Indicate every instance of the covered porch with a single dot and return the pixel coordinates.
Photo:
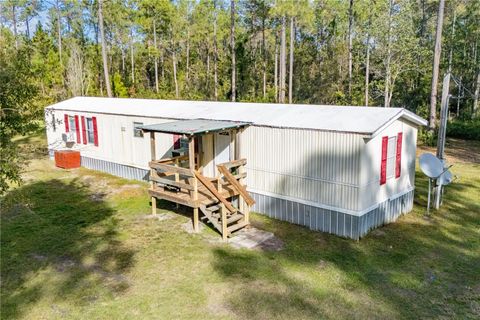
(206, 175)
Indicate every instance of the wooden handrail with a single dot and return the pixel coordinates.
(171, 160)
(210, 187)
(172, 183)
(168, 168)
(234, 163)
(240, 188)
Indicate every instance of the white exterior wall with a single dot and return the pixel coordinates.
(114, 144)
(375, 193)
(309, 166)
(331, 170)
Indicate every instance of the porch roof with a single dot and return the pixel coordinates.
(194, 127)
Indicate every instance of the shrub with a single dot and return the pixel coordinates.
(468, 130)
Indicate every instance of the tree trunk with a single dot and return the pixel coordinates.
(367, 70)
(283, 62)
(14, 22)
(232, 47)
(215, 53)
(155, 57)
(436, 66)
(290, 73)
(452, 39)
(389, 53)
(59, 31)
(174, 63)
(207, 78)
(104, 49)
(188, 56)
(350, 48)
(275, 75)
(27, 24)
(476, 96)
(264, 54)
(459, 96)
(132, 58)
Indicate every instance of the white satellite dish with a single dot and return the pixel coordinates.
(434, 169)
(445, 178)
(430, 165)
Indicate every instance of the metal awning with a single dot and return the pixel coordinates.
(193, 127)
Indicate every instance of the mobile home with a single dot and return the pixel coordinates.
(338, 169)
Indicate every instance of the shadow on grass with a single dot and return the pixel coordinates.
(417, 267)
(54, 231)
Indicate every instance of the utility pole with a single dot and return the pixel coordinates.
(442, 130)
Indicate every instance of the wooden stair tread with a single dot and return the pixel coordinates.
(237, 226)
(234, 218)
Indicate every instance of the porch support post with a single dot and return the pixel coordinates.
(232, 148)
(152, 170)
(191, 163)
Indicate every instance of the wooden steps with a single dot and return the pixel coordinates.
(235, 221)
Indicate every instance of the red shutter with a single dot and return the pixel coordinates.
(84, 131)
(65, 117)
(77, 127)
(383, 166)
(95, 132)
(398, 162)
(176, 141)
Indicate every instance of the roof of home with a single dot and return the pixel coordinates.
(194, 127)
(362, 120)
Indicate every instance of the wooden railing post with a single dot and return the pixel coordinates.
(245, 208)
(152, 183)
(223, 212)
(177, 178)
(191, 163)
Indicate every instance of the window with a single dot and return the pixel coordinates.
(54, 125)
(90, 131)
(180, 142)
(71, 122)
(137, 132)
(391, 154)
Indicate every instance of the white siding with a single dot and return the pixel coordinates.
(114, 144)
(313, 166)
(338, 171)
(375, 193)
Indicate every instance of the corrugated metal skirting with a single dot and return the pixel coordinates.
(116, 169)
(338, 223)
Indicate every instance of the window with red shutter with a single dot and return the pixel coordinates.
(77, 127)
(398, 159)
(65, 119)
(383, 165)
(84, 131)
(95, 131)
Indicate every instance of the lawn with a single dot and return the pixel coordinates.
(79, 244)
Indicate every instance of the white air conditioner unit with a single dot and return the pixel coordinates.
(68, 137)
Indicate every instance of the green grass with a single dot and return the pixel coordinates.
(73, 248)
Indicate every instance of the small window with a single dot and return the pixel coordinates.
(137, 132)
(90, 134)
(391, 153)
(72, 126)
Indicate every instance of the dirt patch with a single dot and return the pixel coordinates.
(253, 238)
(188, 227)
(378, 233)
(158, 216)
(457, 151)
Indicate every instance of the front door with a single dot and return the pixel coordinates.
(222, 147)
